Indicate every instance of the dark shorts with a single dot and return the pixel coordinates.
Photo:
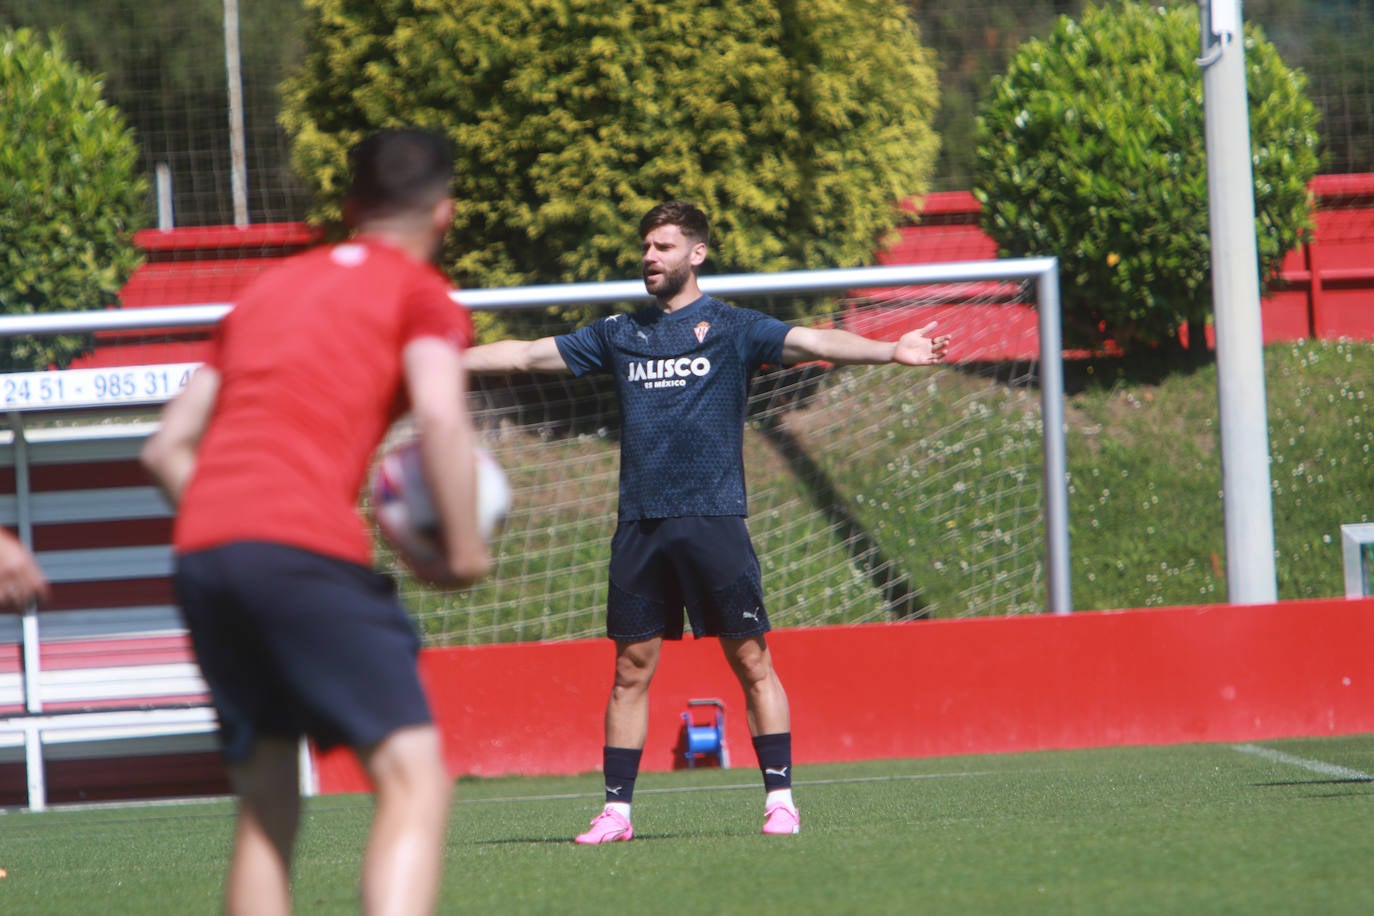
(705, 565)
(294, 643)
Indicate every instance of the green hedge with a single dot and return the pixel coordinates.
(1092, 148)
(70, 195)
(799, 127)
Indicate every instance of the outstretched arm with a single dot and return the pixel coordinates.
(540, 355)
(914, 348)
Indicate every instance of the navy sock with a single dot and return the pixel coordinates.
(621, 766)
(775, 759)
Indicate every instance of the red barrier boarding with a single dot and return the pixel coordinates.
(107, 702)
(934, 688)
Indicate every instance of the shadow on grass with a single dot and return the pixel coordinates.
(1316, 782)
(568, 841)
(1145, 366)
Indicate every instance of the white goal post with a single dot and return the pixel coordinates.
(126, 388)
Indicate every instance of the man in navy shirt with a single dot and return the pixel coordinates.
(682, 368)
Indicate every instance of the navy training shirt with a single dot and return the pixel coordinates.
(683, 382)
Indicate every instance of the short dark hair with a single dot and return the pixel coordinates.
(398, 170)
(685, 215)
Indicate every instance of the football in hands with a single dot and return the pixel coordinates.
(399, 497)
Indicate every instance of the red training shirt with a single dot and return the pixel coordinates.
(310, 380)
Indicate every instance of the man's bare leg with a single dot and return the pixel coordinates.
(765, 701)
(268, 787)
(627, 711)
(404, 859)
(770, 720)
(627, 725)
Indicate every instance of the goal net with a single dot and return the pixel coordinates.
(876, 493)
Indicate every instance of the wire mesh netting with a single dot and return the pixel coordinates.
(877, 493)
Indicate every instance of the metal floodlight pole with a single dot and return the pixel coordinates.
(1242, 405)
(238, 155)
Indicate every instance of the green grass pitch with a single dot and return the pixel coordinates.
(1271, 827)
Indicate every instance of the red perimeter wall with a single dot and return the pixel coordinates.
(1092, 679)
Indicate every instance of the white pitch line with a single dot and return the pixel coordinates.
(1315, 766)
(726, 788)
(364, 801)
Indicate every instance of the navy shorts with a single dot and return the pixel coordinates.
(702, 564)
(295, 643)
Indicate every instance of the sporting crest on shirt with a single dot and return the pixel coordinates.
(701, 329)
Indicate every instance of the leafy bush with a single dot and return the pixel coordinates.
(70, 194)
(1092, 148)
(798, 126)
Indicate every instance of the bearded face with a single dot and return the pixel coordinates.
(664, 281)
(667, 262)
